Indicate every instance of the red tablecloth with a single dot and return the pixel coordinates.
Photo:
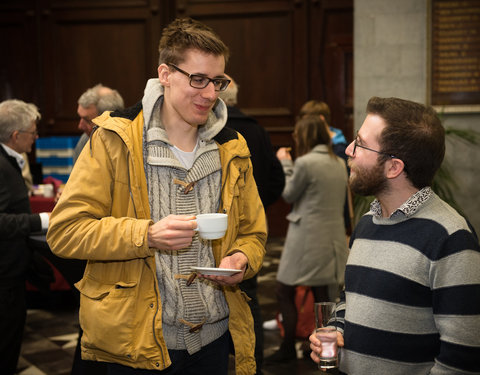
(41, 204)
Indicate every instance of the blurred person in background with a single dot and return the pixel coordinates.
(270, 180)
(315, 250)
(339, 145)
(319, 108)
(18, 132)
(92, 103)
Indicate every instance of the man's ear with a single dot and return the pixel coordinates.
(395, 167)
(164, 75)
(14, 136)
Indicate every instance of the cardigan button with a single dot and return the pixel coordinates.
(152, 305)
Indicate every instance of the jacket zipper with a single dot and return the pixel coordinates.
(129, 184)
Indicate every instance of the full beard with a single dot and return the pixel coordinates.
(368, 181)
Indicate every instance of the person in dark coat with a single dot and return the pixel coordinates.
(270, 180)
(18, 131)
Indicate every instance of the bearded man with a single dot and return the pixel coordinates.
(412, 284)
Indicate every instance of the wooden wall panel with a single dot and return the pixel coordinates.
(88, 46)
(59, 48)
(19, 65)
(264, 56)
(97, 56)
(331, 60)
(267, 41)
(284, 53)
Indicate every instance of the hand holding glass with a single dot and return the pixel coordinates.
(326, 332)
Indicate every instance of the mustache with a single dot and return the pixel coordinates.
(350, 163)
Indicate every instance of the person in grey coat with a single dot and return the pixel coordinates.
(316, 250)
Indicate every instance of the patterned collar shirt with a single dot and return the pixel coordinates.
(408, 208)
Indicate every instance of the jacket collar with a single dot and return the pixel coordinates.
(322, 149)
(14, 156)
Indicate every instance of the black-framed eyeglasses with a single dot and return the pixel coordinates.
(34, 132)
(355, 145)
(199, 81)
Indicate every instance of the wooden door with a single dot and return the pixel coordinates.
(19, 65)
(89, 42)
(331, 59)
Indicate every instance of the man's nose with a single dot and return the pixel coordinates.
(81, 125)
(209, 91)
(349, 149)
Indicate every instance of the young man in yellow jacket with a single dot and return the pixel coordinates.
(129, 208)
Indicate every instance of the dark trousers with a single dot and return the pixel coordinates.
(13, 313)
(250, 286)
(83, 367)
(212, 359)
(286, 300)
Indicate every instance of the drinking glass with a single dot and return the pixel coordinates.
(326, 332)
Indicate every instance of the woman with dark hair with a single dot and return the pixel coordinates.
(315, 251)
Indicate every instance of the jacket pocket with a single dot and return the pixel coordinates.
(107, 313)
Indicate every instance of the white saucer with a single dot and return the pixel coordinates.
(212, 271)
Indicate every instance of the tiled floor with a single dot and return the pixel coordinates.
(51, 333)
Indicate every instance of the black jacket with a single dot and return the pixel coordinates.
(16, 222)
(267, 170)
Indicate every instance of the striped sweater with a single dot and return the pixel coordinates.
(412, 293)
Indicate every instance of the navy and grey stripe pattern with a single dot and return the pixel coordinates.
(412, 293)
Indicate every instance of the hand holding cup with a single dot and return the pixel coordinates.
(212, 226)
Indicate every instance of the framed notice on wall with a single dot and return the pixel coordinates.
(455, 54)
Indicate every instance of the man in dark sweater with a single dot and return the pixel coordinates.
(18, 131)
(412, 281)
(270, 180)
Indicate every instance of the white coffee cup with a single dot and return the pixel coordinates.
(211, 226)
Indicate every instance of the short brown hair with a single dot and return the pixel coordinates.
(186, 33)
(315, 107)
(309, 132)
(414, 134)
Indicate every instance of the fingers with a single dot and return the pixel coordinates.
(284, 153)
(316, 347)
(225, 280)
(173, 232)
(236, 261)
(180, 222)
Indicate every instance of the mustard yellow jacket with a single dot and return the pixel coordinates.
(103, 216)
